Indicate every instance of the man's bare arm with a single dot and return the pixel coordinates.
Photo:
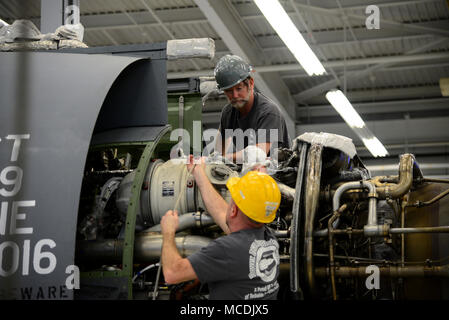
(215, 204)
(175, 268)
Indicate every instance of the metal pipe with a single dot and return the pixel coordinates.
(380, 181)
(348, 231)
(435, 180)
(147, 248)
(331, 249)
(404, 207)
(352, 258)
(406, 165)
(419, 204)
(287, 192)
(350, 185)
(441, 229)
(187, 221)
(281, 234)
(387, 271)
(371, 229)
(407, 170)
(156, 282)
(312, 190)
(297, 215)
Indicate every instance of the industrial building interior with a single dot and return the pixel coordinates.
(391, 74)
(113, 102)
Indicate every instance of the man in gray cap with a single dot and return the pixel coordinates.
(250, 111)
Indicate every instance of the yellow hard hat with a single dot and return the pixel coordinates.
(256, 194)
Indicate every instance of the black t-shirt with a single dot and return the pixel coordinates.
(264, 123)
(243, 265)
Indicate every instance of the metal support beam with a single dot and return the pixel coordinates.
(362, 62)
(390, 131)
(388, 167)
(312, 38)
(385, 23)
(232, 30)
(377, 95)
(71, 12)
(380, 107)
(382, 3)
(407, 67)
(55, 13)
(163, 26)
(314, 91)
(189, 16)
(328, 64)
(52, 15)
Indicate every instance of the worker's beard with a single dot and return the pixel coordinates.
(239, 103)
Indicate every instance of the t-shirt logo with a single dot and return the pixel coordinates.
(263, 259)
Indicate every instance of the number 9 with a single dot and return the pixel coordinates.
(16, 181)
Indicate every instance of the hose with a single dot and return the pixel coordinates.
(144, 270)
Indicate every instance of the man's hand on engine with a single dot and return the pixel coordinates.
(169, 222)
(199, 163)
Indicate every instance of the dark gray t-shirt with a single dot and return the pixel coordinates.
(263, 115)
(243, 265)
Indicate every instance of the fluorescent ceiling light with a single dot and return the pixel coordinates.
(374, 146)
(339, 101)
(287, 31)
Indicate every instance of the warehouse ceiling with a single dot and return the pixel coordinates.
(391, 74)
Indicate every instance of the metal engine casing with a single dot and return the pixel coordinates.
(164, 183)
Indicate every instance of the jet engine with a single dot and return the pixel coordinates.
(343, 234)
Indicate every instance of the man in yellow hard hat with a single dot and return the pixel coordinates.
(244, 264)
